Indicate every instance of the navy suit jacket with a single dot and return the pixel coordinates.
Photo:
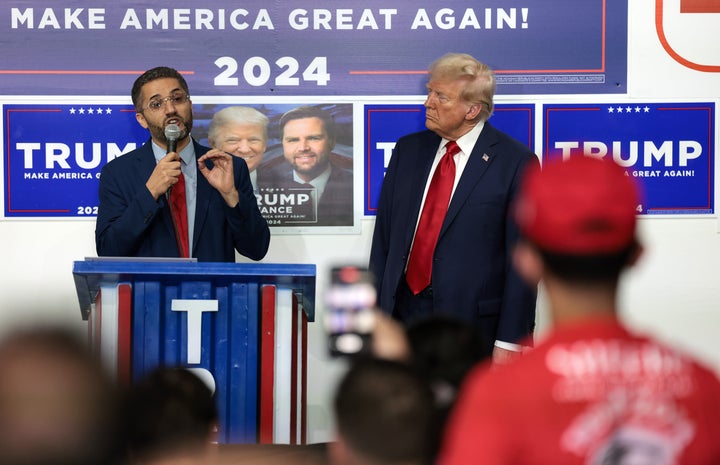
(472, 277)
(131, 223)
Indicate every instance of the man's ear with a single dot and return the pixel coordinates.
(141, 119)
(528, 262)
(474, 111)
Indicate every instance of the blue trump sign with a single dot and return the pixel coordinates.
(54, 154)
(385, 124)
(667, 147)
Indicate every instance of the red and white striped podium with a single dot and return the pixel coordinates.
(241, 327)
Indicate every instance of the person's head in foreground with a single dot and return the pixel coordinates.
(58, 406)
(384, 414)
(592, 391)
(578, 218)
(171, 416)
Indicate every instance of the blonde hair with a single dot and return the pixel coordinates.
(480, 88)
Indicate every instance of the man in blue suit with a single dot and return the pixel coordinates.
(134, 218)
(468, 271)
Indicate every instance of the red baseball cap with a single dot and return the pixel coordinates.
(581, 206)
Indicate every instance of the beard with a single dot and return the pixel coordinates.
(311, 171)
(158, 132)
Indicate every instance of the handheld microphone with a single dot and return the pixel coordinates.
(172, 134)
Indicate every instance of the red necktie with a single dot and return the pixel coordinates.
(419, 270)
(178, 211)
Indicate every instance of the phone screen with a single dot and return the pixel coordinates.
(350, 304)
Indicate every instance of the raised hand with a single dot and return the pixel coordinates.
(220, 176)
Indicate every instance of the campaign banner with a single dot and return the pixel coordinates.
(323, 47)
(54, 155)
(667, 147)
(385, 124)
(287, 203)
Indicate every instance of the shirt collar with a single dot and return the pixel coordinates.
(186, 154)
(319, 182)
(466, 142)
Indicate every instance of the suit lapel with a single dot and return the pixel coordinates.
(146, 165)
(202, 198)
(146, 160)
(424, 159)
(478, 163)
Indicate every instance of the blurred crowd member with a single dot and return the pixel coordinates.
(592, 392)
(389, 339)
(384, 415)
(57, 405)
(443, 351)
(241, 131)
(171, 417)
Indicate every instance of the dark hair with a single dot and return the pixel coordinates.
(443, 351)
(310, 112)
(69, 394)
(603, 269)
(444, 348)
(168, 410)
(385, 411)
(159, 72)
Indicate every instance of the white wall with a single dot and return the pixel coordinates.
(674, 292)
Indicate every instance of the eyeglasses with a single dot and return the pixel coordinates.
(176, 98)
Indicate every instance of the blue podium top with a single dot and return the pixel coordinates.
(90, 273)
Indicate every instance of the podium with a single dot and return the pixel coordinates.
(241, 327)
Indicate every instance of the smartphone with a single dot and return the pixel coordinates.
(350, 310)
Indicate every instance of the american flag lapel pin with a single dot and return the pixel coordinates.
(485, 157)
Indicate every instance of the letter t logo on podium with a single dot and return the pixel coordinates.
(194, 309)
